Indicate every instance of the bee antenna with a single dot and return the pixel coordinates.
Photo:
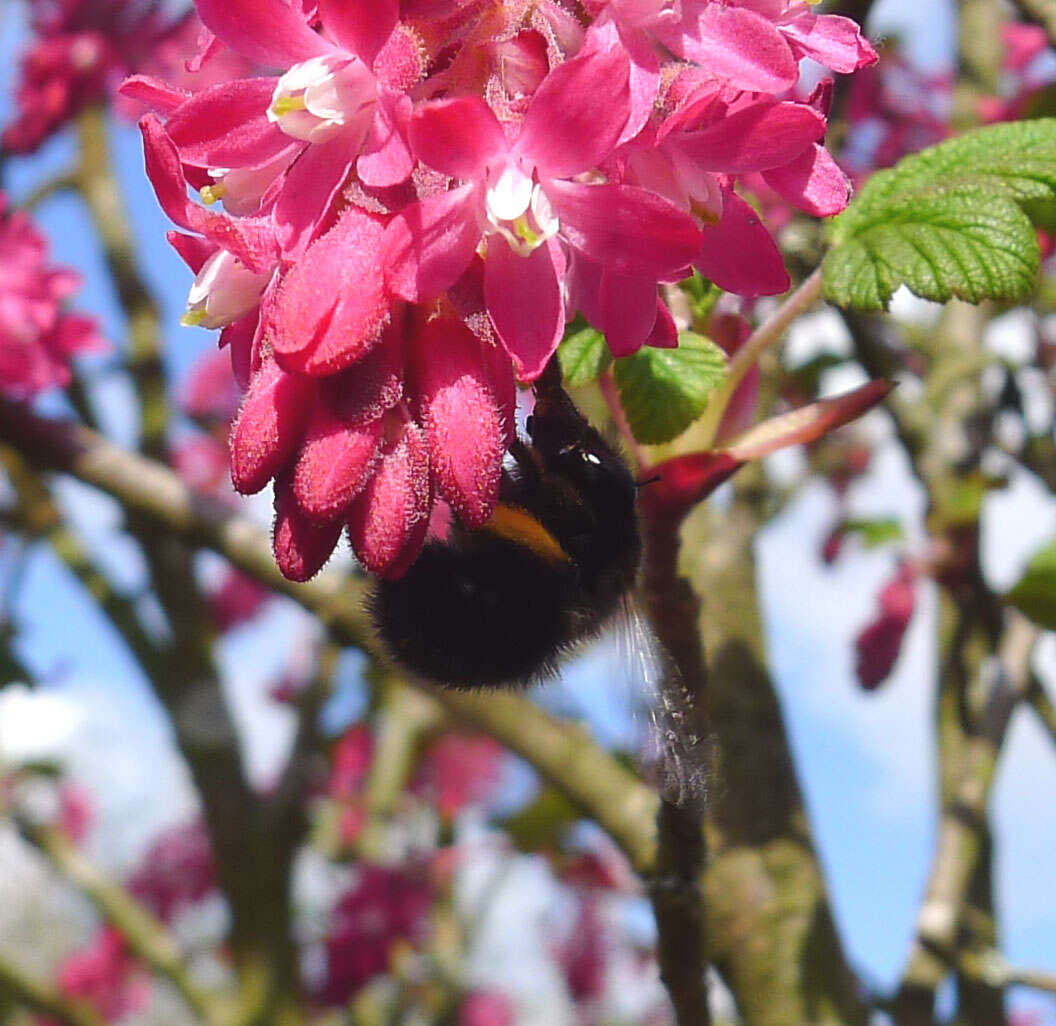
(647, 481)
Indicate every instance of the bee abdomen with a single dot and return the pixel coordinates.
(489, 614)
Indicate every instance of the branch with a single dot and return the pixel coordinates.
(563, 753)
(44, 1000)
(991, 967)
(37, 514)
(146, 936)
(962, 819)
(676, 891)
(96, 183)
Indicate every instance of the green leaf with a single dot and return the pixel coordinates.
(875, 532)
(952, 221)
(583, 354)
(1035, 593)
(663, 391)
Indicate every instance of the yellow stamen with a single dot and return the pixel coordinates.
(192, 318)
(287, 104)
(523, 230)
(517, 525)
(211, 193)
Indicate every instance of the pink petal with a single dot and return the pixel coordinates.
(665, 332)
(360, 26)
(372, 385)
(808, 423)
(269, 426)
(250, 239)
(429, 244)
(742, 47)
(271, 33)
(524, 300)
(386, 158)
(463, 409)
(833, 41)
(308, 191)
(301, 545)
(334, 463)
(226, 125)
(754, 138)
(739, 255)
(193, 249)
(152, 93)
(567, 128)
(813, 182)
(625, 228)
(458, 137)
(628, 311)
(388, 522)
(332, 306)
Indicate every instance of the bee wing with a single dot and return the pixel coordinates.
(680, 751)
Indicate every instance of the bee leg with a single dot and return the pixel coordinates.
(527, 460)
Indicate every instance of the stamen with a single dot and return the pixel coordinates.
(192, 318)
(287, 105)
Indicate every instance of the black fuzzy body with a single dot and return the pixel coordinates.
(482, 610)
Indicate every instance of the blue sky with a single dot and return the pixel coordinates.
(865, 761)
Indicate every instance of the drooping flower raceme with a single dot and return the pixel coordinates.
(37, 335)
(421, 197)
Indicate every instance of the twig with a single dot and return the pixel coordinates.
(959, 845)
(1043, 706)
(992, 967)
(588, 775)
(146, 936)
(43, 999)
(765, 335)
(95, 181)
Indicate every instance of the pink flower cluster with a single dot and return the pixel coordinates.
(419, 201)
(81, 51)
(37, 335)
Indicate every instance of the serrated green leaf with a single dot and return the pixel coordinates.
(951, 221)
(583, 354)
(951, 242)
(1035, 593)
(663, 391)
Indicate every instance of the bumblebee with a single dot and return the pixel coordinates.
(502, 604)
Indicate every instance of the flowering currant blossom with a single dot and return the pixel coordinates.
(81, 51)
(37, 336)
(421, 197)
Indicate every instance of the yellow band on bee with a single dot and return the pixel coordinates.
(521, 527)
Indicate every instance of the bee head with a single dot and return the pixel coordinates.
(570, 448)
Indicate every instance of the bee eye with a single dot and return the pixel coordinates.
(592, 457)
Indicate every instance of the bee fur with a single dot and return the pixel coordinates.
(501, 605)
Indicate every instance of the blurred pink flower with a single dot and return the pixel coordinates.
(458, 770)
(486, 1008)
(105, 975)
(176, 871)
(76, 810)
(236, 600)
(384, 906)
(582, 954)
(880, 642)
(37, 337)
